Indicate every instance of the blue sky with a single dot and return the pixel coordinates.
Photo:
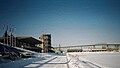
(70, 22)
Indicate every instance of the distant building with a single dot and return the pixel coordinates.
(29, 43)
(26, 42)
(91, 48)
(46, 42)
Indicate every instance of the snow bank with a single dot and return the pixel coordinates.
(94, 59)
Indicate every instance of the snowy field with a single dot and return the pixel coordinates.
(40, 60)
(70, 60)
(95, 59)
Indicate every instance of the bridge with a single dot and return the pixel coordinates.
(89, 48)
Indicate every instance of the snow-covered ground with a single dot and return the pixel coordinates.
(94, 59)
(41, 60)
(70, 60)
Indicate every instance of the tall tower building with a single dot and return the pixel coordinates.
(46, 42)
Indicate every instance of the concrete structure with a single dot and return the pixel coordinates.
(46, 42)
(91, 48)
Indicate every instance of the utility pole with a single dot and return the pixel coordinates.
(7, 35)
(15, 37)
(11, 36)
(59, 47)
(4, 28)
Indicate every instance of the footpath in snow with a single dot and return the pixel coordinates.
(41, 60)
(77, 62)
(94, 59)
(70, 60)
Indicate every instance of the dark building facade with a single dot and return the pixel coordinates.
(25, 42)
